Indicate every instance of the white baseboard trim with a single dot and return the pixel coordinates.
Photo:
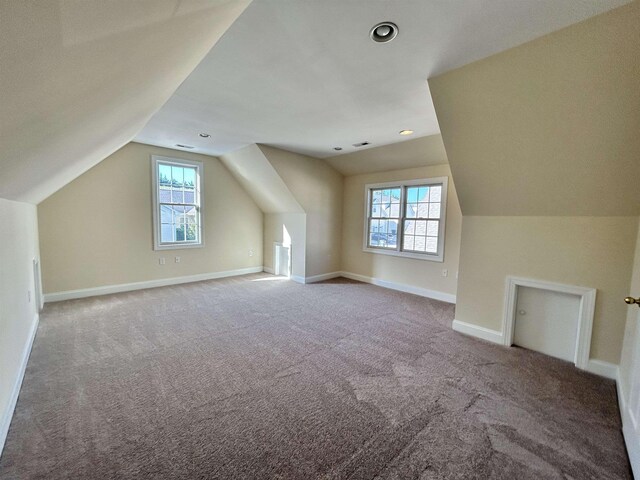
(7, 415)
(162, 282)
(483, 333)
(604, 369)
(423, 292)
(322, 277)
(268, 270)
(297, 279)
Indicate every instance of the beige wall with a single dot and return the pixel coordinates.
(18, 249)
(277, 226)
(97, 230)
(543, 145)
(595, 252)
(318, 189)
(417, 273)
(549, 127)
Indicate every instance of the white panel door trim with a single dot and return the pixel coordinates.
(585, 315)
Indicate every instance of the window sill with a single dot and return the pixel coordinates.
(416, 256)
(178, 246)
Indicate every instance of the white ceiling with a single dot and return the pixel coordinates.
(305, 76)
(417, 152)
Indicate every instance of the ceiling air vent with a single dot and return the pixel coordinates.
(361, 144)
(179, 145)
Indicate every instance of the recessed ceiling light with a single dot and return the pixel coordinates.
(205, 135)
(383, 32)
(406, 132)
(337, 148)
(180, 145)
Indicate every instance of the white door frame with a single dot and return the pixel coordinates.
(585, 314)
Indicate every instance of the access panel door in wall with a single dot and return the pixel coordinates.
(547, 321)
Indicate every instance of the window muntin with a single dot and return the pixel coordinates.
(407, 218)
(177, 203)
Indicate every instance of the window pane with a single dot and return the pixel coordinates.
(420, 244)
(374, 226)
(434, 210)
(166, 233)
(408, 242)
(177, 176)
(412, 210)
(164, 194)
(394, 210)
(423, 194)
(432, 244)
(189, 177)
(435, 193)
(189, 195)
(177, 196)
(423, 210)
(179, 233)
(421, 227)
(432, 228)
(410, 227)
(412, 194)
(164, 174)
(395, 195)
(392, 240)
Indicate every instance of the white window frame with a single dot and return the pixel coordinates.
(402, 185)
(155, 160)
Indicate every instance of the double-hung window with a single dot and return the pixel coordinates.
(406, 218)
(177, 203)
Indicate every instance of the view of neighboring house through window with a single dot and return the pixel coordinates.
(407, 218)
(177, 203)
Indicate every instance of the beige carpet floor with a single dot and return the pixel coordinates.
(256, 377)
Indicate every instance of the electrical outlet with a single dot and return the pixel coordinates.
(250, 252)
(161, 261)
(445, 272)
(177, 259)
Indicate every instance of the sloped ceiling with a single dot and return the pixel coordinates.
(550, 127)
(80, 78)
(418, 152)
(259, 178)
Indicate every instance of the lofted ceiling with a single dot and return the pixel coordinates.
(417, 152)
(80, 78)
(305, 76)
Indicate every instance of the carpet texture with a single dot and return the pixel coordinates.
(256, 377)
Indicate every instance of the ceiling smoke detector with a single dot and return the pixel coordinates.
(384, 32)
(361, 144)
